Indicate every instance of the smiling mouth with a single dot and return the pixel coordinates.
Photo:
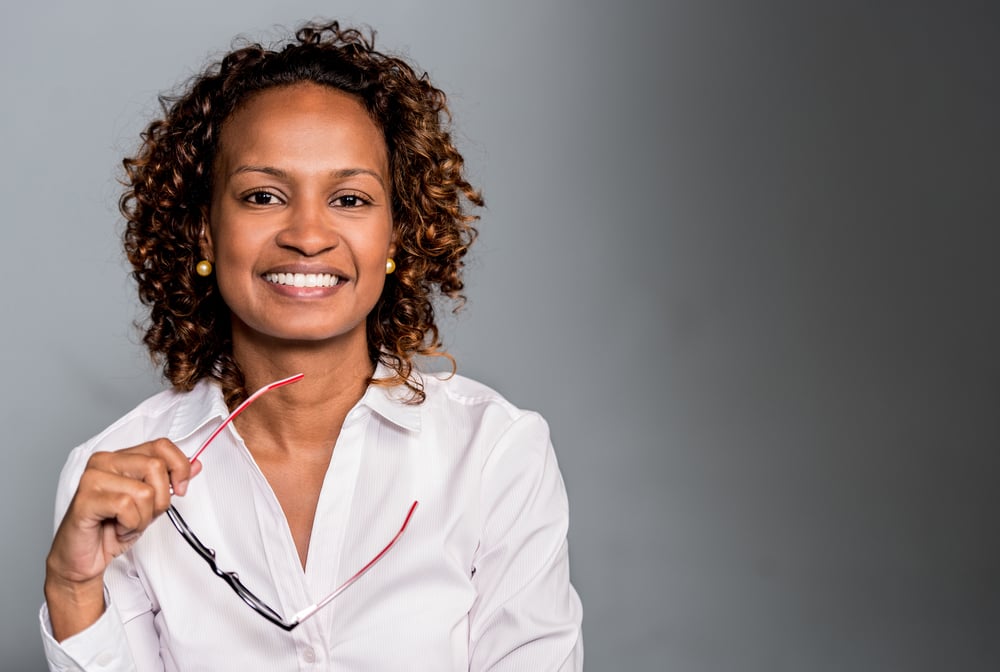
(304, 279)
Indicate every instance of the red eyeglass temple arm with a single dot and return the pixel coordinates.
(242, 407)
(309, 611)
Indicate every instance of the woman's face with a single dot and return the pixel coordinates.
(300, 223)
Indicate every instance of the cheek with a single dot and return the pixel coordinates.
(372, 247)
(235, 262)
(237, 244)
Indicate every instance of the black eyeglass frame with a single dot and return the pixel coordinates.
(232, 578)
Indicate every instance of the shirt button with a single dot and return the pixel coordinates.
(309, 655)
(104, 659)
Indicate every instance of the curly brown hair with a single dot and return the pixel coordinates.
(168, 191)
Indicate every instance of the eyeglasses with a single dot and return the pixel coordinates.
(231, 578)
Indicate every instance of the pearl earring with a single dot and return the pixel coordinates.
(390, 266)
(204, 268)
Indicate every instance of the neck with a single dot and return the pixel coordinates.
(307, 415)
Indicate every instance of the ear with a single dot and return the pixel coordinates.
(205, 243)
(392, 242)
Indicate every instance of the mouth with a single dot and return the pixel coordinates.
(304, 279)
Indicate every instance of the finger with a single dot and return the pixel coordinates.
(181, 488)
(103, 496)
(178, 466)
(116, 542)
(151, 470)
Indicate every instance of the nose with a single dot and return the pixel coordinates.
(310, 228)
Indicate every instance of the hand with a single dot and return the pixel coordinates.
(120, 494)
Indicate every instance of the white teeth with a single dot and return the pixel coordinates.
(303, 279)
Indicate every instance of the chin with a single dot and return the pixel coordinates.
(290, 333)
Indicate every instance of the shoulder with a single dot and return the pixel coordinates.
(458, 390)
(157, 416)
(466, 405)
(459, 394)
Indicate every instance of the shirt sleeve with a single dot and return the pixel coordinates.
(527, 616)
(103, 646)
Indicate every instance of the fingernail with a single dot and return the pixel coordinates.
(181, 488)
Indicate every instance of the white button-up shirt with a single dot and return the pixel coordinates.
(479, 580)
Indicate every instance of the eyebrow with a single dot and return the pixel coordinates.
(281, 174)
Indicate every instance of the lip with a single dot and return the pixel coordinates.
(304, 292)
(307, 268)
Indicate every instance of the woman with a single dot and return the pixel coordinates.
(291, 220)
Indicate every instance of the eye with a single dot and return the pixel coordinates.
(262, 198)
(351, 201)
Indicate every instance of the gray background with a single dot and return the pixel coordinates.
(743, 256)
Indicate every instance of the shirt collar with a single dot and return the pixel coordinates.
(204, 404)
(390, 401)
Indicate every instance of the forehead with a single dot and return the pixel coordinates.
(302, 124)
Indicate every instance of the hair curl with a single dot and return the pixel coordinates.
(168, 191)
